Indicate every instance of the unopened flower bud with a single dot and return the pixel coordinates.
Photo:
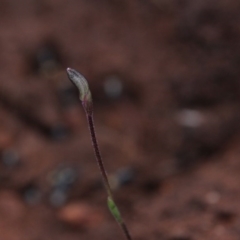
(84, 91)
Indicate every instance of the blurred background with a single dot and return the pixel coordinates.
(164, 75)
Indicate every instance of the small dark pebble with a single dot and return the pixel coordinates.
(31, 194)
(58, 198)
(122, 177)
(59, 132)
(113, 87)
(224, 216)
(63, 178)
(125, 176)
(46, 59)
(151, 186)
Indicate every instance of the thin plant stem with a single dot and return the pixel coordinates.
(103, 171)
(98, 155)
(86, 99)
(125, 230)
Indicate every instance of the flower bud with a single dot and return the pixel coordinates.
(82, 85)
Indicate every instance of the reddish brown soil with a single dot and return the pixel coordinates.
(167, 128)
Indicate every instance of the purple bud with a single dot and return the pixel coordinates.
(82, 85)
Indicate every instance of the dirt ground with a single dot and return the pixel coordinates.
(164, 75)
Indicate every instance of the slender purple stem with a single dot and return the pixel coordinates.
(102, 168)
(125, 230)
(97, 154)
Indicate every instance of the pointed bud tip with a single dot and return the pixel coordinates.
(75, 76)
(70, 72)
(82, 85)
